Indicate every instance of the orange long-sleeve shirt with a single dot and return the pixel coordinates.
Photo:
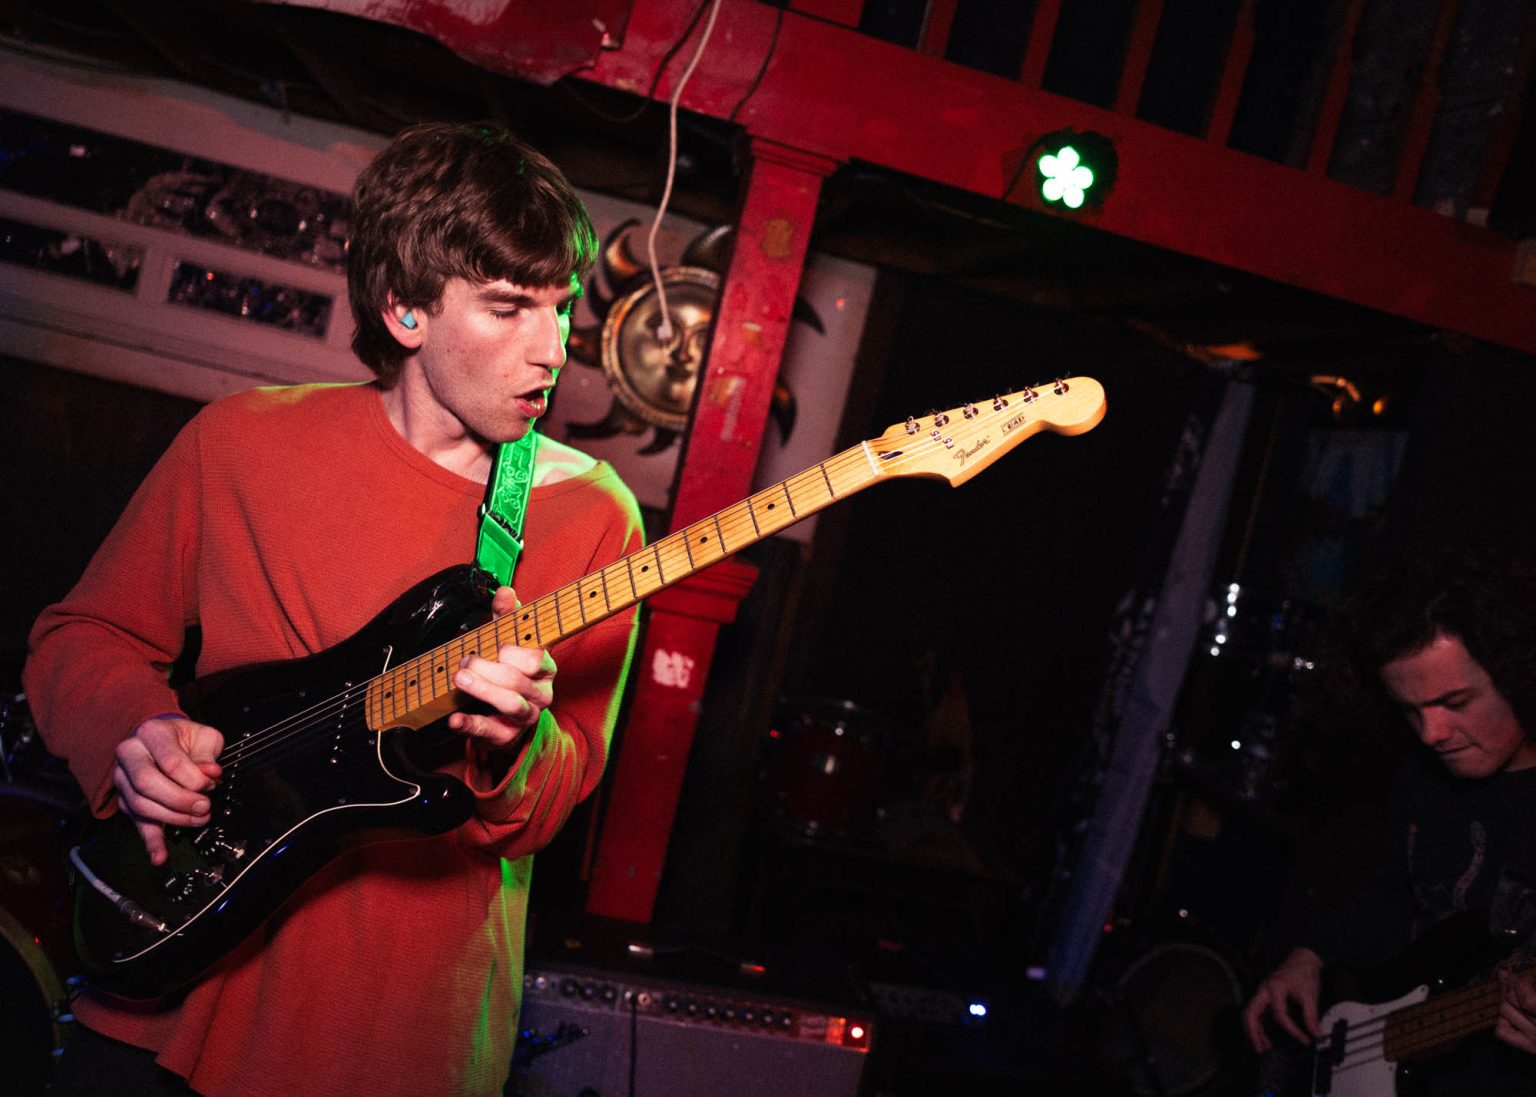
(280, 521)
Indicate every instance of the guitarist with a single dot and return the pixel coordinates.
(279, 522)
(1450, 643)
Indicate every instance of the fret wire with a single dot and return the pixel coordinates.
(581, 605)
(687, 548)
(830, 490)
(719, 536)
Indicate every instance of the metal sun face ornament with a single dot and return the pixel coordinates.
(653, 380)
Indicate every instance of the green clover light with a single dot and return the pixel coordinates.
(1066, 177)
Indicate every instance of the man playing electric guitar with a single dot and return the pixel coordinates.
(280, 522)
(1450, 643)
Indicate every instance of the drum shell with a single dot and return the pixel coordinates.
(824, 768)
(35, 951)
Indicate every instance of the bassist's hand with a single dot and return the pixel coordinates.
(519, 684)
(1517, 1011)
(164, 771)
(1298, 981)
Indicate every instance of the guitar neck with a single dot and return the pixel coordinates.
(420, 691)
(949, 445)
(1430, 1027)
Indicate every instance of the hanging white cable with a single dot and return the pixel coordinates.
(664, 331)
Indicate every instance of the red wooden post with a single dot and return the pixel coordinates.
(746, 345)
(1218, 126)
(1138, 55)
(1422, 120)
(1327, 128)
(936, 27)
(1042, 32)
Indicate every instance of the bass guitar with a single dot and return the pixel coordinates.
(1391, 1048)
(324, 753)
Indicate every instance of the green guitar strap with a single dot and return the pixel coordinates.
(505, 507)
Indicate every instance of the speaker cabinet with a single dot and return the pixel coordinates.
(587, 1033)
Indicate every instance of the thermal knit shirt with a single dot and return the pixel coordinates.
(280, 521)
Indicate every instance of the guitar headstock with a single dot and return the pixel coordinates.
(955, 445)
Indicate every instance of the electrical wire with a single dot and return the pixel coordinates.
(773, 47)
(664, 331)
(661, 67)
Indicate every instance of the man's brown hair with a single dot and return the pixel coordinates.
(447, 200)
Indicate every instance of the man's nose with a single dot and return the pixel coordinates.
(1435, 727)
(549, 341)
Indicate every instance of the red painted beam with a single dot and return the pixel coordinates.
(968, 129)
(746, 345)
(845, 12)
(773, 232)
(682, 626)
(833, 92)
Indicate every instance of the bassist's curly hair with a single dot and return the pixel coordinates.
(1487, 600)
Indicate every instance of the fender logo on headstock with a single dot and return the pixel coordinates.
(965, 455)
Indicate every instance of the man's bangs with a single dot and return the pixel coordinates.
(531, 261)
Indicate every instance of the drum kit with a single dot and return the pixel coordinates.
(39, 802)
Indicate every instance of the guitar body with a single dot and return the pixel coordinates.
(1341, 1072)
(322, 783)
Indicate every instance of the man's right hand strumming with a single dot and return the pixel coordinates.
(1298, 981)
(164, 773)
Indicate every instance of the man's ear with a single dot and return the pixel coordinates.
(408, 325)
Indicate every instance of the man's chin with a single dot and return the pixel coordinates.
(1469, 765)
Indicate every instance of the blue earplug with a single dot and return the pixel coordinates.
(408, 321)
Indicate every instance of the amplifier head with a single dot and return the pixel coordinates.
(590, 1032)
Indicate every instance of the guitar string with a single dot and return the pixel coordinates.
(328, 712)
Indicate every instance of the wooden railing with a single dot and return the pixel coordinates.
(1312, 148)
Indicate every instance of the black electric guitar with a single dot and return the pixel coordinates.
(322, 753)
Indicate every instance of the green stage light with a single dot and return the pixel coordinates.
(1064, 177)
(1074, 170)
